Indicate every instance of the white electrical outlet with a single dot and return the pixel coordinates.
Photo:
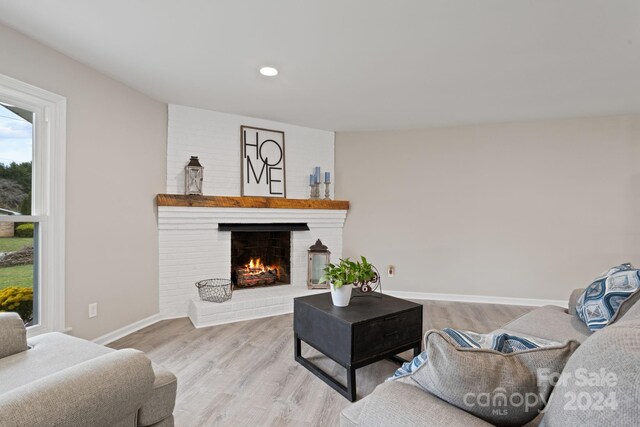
(391, 270)
(93, 309)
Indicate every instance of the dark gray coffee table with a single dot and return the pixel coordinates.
(373, 327)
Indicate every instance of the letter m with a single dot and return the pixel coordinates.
(253, 171)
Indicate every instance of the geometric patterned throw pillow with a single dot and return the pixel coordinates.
(601, 300)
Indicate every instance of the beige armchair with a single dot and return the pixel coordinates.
(56, 379)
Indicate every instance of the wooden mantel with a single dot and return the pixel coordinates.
(248, 202)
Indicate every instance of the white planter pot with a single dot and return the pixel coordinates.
(342, 295)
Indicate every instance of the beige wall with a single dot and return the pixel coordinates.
(528, 210)
(116, 164)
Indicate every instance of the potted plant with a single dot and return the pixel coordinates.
(346, 274)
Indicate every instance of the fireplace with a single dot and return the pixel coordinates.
(186, 230)
(261, 253)
(260, 258)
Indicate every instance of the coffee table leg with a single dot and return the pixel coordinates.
(349, 391)
(351, 383)
(297, 352)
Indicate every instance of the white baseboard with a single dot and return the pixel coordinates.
(171, 316)
(129, 329)
(480, 299)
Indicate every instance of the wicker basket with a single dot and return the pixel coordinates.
(214, 290)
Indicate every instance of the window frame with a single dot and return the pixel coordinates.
(48, 197)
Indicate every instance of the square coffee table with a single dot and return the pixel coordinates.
(373, 327)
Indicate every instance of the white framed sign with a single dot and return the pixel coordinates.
(262, 162)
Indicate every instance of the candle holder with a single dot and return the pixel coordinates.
(327, 193)
(314, 192)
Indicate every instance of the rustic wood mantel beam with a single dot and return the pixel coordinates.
(248, 202)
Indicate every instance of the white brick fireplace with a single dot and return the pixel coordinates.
(192, 248)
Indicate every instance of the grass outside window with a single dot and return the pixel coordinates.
(20, 275)
(10, 244)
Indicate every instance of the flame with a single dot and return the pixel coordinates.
(256, 266)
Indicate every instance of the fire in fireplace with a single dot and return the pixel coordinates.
(256, 274)
(260, 258)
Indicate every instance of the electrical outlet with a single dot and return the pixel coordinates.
(391, 270)
(93, 309)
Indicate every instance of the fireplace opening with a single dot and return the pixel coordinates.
(261, 258)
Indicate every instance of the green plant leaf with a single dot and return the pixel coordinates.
(349, 272)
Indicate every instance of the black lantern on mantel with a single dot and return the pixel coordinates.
(193, 177)
(319, 257)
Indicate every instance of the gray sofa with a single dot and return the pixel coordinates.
(59, 380)
(616, 349)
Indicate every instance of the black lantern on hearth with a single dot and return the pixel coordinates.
(319, 257)
(193, 177)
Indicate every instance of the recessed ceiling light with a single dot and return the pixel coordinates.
(268, 71)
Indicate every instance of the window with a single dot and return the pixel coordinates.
(32, 153)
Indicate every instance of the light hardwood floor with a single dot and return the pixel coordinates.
(243, 374)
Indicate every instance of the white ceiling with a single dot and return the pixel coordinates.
(358, 64)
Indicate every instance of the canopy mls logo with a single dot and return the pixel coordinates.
(262, 158)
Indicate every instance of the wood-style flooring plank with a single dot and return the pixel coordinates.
(244, 374)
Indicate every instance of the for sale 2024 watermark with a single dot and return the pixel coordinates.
(584, 389)
(581, 390)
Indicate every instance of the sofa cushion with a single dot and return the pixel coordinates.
(487, 383)
(350, 416)
(550, 322)
(49, 353)
(599, 384)
(13, 334)
(394, 404)
(601, 300)
(163, 398)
